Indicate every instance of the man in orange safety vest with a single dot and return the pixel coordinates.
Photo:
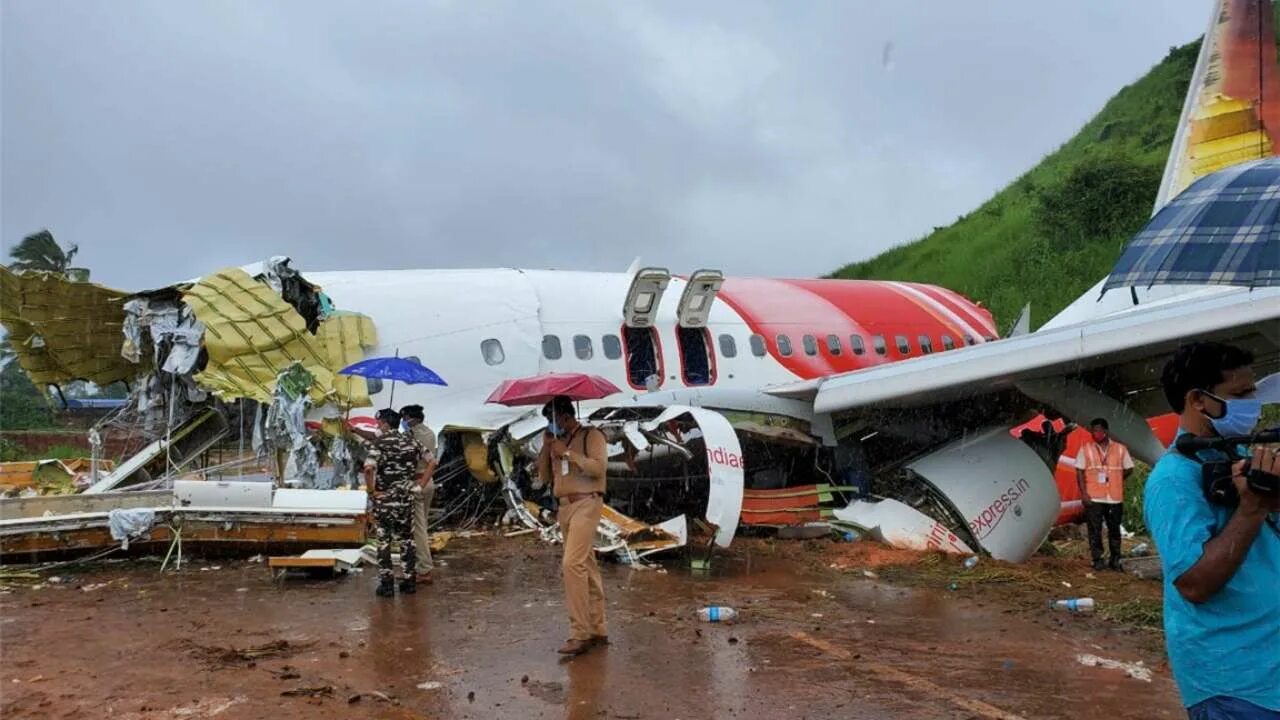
(1102, 466)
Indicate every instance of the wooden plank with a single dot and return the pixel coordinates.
(294, 561)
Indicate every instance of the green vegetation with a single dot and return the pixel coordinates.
(12, 452)
(1055, 231)
(1134, 487)
(1145, 613)
(22, 406)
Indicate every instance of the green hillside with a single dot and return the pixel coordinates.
(1055, 231)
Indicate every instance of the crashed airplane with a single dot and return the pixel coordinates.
(889, 408)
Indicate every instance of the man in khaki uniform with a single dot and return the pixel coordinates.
(426, 487)
(573, 459)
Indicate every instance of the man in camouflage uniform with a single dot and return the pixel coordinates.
(391, 472)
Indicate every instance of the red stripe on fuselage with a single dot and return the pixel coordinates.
(977, 316)
(819, 308)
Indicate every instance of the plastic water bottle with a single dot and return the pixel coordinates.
(1083, 606)
(971, 562)
(1139, 550)
(718, 613)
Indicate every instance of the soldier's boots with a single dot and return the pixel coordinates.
(408, 586)
(386, 588)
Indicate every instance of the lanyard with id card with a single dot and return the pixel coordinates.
(564, 459)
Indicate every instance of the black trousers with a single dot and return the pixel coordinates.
(1095, 515)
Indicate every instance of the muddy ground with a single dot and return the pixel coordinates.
(828, 630)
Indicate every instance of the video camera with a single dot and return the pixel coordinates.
(1216, 473)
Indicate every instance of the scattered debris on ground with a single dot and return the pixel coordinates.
(231, 656)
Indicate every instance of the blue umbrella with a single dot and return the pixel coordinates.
(1222, 230)
(395, 369)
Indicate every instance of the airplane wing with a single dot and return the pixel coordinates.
(1091, 367)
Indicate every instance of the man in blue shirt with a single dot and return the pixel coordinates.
(1221, 564)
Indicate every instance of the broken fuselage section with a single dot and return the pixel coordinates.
(745, 460)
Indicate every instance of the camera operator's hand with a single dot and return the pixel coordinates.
(1264, 460)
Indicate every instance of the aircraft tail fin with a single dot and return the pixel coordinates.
(1232, 110)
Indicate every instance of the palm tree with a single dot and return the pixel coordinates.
(40, 252)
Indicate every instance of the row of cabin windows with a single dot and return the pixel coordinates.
(834, 344)
(492, 352)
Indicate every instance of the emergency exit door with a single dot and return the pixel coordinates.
(697, 355)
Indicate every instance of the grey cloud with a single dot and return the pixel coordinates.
(167, 139)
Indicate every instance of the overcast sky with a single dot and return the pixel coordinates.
(169, 138)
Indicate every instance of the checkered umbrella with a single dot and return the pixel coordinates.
(1220, 231)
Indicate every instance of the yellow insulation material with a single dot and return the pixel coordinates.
(252, 335)
(345, 338)
(63, 330)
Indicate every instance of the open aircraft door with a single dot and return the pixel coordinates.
(641, 346)
(697, 357)
(699, 293)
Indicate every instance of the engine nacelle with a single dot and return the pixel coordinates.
(999, 486)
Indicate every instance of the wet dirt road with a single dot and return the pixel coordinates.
(480, 642)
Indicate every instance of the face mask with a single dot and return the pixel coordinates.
(1099, 436)
(554, 428)
(1239, 418)
(404, 426)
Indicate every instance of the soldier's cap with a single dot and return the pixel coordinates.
(389, 416)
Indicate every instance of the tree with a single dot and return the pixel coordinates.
(22, 406)
(40, 252)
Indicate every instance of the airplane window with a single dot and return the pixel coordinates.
(968, 339)
(833, 344)
(582, 347)
(644, 302)
(612, 346)
(903, 346)
(948, 343)
(878, 342)
(551, 347)
(728, 346)
(375, 385)
(810, 345)
(926, 344)
(784, 346)
(855, 342)
(757, 346)
(492, 351)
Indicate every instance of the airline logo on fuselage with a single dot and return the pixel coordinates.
(987, 520)
(721, 456)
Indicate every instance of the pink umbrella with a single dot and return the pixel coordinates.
(539, 389)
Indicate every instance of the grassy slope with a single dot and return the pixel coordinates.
(1046, 238)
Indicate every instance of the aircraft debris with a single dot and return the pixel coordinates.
(48, 477)
(335, 561)
(201, 513)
